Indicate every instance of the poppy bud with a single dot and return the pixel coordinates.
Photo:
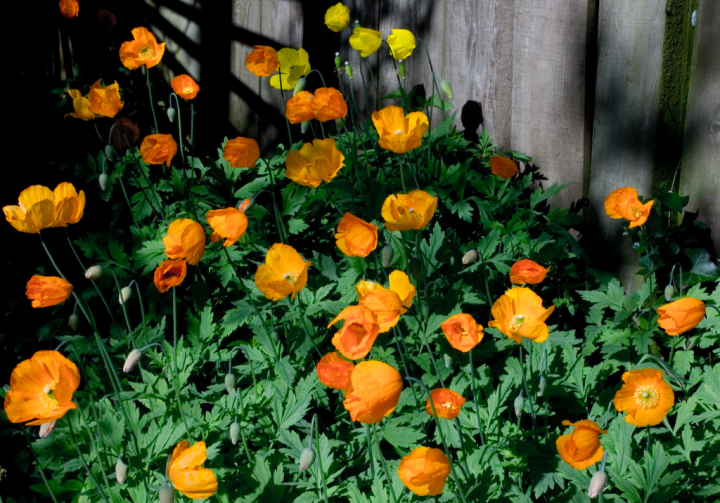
(338, 63)
(306, 459)
(166, 494)
(229, 382)
(131, 360)
(46, 429)
(669, 292)
(445, 86)
(415, 266)
(121, 469)
(299, 85)
(102, 180)
(348, 70)
(387, 255)
(304, 126)
(519, 404)
(541, 386)
(73, 321)
(109, 152)
(357, 25)
(448, 360)
(234, 432)
(597, 483)
(401, 69)
(339, 124)
(94, 272)
(470, 257)
(171, 114)
(636, 245)
(124, 295)
(247, 204)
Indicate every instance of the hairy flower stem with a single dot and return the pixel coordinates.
(37, 462)
(405, 368)
(370, 451)
(529, 397)
(152, 104)
(384, 465)
(321, 470)
(238, 393)
(182, 155)
(430, 111)
(472, 386)
(94, 446)
(142, 311)
(175, 359)
(402, 178)
(278, 219)
(82, 460)
(307, 331)
(127, 200)
(127, 318)
(442, 437)
(82, 266)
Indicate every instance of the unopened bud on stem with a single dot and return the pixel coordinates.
(229, 382)
(519, 404)
(669, 292)
(348, 70)
(109, 152)
(234, 432)
(46, 429)
(247, 204)
(445, 86)
(131, 360)
(541, 386)
(306, 459)
(73, 321)
(448, 360)
(102, 180)
(93, 272)
(597, 483)
(299, 85)
(401, 69)
(469, 257)
(171, 114)
(304, 126)
(339, 124)
(166, 494)
(124, 295)
(338, 62)
(121, 469)
(387, 255)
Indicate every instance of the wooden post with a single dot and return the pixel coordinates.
(700, 176)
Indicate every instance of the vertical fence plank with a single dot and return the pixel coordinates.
(630, 42)
(478, 60)
(548, 99)
(364, 11)
(246, 16)
(700, 176)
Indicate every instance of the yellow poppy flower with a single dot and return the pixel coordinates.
(187, 474)
(40, 208)
(366, 41)
(402, 43)
(81, 106)
(314, 162)
(337, 17)
(519, 313)
(398, 132)
(283, 273)
(403, 212)
(400, 284)
(293, 65)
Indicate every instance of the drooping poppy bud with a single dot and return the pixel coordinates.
(109, 151)
(234, 432)
(166, 494)
(527, 271)
(306, 459)
(124, 295)
(387, 255)
(445, 86)
(469, 257)
(229, 382)
(519, 404)
(401, 69)
(94, 272)
(299, 85)
(171, 113)
(448, 360)
(304, 126)
(46, 429)
(669, 293)
(121, 469)
(597, 483)
(132, 360)
(102, 180)
(247, 204)
(541, 386)
(73, 321)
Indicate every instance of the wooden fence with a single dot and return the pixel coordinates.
(576, 84)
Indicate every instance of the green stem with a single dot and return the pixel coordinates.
(238, 392)
(142, 311)
(527, 392)
(472, 386)
(37, 462)
(94, 445)
(182, 154)
(362, 76)
(152, 104)
(287, 121)
(307, 331)
(321, 470)
(377, 85)
(127, 319)
(370, 453)
(278, 218)
(175, 359)
(384, 465)
(82, 460)
(127, 200)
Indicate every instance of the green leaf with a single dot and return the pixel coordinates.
(703, 268)
(541, 195)
(296, 226)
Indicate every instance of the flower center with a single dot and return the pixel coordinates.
(291, 277)
(447, 405)
(460, 329)
(47, 398)
(647, 396)
(635, 212)
(187, 90)
(517, 322)
(399, 131)
(146, 52)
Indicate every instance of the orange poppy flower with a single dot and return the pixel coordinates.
(158, 149)
(447, 403)
(69, 8)
(376, 392)
(400, 284)
(581, 448)
(185, 86)
(527, 271)
(40, 208)
(185, 240)
(462, 332)
(645, 397)
(357, 335)
(125, 133)
(283, 273)
(314, 162)
(169, 273)
(241, 152)
(519, 313)
(105, 100)
(334, 372)
(424, 471)
(298, 108)
(41, 389)
(81, 106)
(398, 132)
(262, 61)
(364, 286)
(386, 305)
(143, 50)
(229, 224)
(45, 291)
(403, 212)
(624, 203)
(328, 104)
(682, 315)
(187, 475)
(503, 167)
(355, 237)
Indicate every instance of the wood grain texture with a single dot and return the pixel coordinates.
(630, 41)
(548, 100)
(478, 61)
(245, 15)
(366, 12)
(700, 176)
